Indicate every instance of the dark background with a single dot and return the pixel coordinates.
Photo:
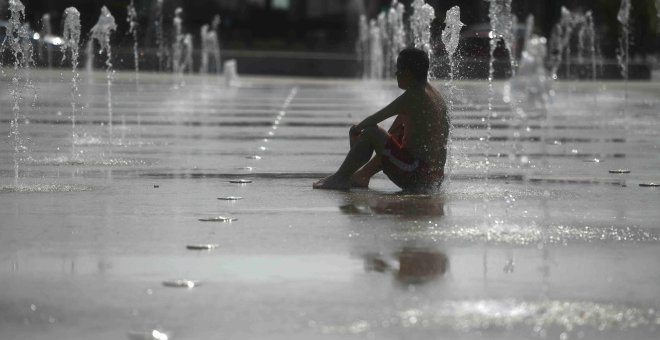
(330, 26)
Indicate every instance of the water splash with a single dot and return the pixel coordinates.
(71, 37)
(420, 25)
(101, 32)
(623, 53)
(17, 39)
(531, 87)
(544, 318)
(231, 73)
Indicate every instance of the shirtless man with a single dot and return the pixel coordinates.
(414, 150)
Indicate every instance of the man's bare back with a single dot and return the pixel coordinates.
(426, 125)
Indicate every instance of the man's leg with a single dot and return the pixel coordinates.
(372, 139)
(361, 178)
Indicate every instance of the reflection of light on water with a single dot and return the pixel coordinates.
(487, 315)
(533, 234)
(88, 140)
(27, 188)
(83, 160)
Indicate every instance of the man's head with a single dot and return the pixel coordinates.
(412, 67)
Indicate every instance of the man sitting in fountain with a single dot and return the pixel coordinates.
(414, 150)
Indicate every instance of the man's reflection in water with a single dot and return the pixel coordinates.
(395, 204)
(416, 266)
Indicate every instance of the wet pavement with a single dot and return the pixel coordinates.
(531, 236)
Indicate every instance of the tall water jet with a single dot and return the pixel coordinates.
(623, 53)
(46, 31)
(531, 87)
(560, 42)
(587, 42)
(178, 45)
(204, 36)
(396, 33)
(71, 44)
(101, 32)
(450, 37)
(529, 30)
(188, 57)
(230, 70)
(362, 45)
(375, 51)
(215, 35)
(133, 26)
(89, 60)
(210, 47)
(160, 35)
(420, 25)
(132, 19)
(16, 35)
(385, 43)
(501, 27)
(530, 91)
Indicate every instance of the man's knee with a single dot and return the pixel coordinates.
(375, 136)
(373, 132)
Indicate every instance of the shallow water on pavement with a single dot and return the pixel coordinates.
(542, 243)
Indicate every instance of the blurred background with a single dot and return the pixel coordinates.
(318, 37)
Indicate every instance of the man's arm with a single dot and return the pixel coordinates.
(392, 109)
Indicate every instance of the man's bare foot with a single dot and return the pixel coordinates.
(333, 182)
(358, 181)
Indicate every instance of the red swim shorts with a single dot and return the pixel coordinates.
(406, 171)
